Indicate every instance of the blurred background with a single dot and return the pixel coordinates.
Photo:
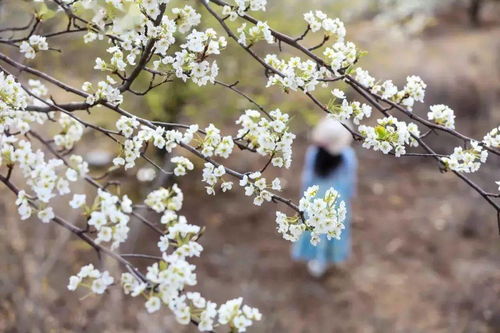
(426, 250)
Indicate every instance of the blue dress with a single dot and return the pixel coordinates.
(342, 179)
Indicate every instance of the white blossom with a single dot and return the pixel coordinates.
(492, 139)
(390, 135)
(442, 115)
(183, 164)
(45, 215)
(269, 137)
(97, 281)
(466, 160)
(34, 44)
(297, 74)
(258, 32)
(153, 304)
(77, 201)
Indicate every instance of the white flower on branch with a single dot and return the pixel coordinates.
(104, 92)
(442, 115)
(183, 164)
(253, 5)
(34, 44)
(323, 216)
(318, 20)
(186, 18)
(413, 91)
(258, 32)
(338, 93)
(165, 199)
(269, 137)
(298, 74)
(390, 135)
(211, 176)
(466, 160)
(387, 89)
(77, 201)
(45, 215)
(71, 132)
(89, 276)
(346, 110)
(492, 139)
(109, 216)
(341, 55)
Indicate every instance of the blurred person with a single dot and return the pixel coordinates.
(329, 162)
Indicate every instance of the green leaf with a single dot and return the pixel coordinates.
(381, 132)
(44, 13)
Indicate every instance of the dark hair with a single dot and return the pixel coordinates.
(325, 162)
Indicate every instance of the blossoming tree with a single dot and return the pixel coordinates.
(163, 42)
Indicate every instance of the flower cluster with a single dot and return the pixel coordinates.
(186, 18)
(91, 278)
(341, 55)
(77, 168)
(390, 134)
(40, 175)
(296, 74)
(346, 110)
(211, 175)
(71, 132)
(34, 44)
(413, 91)
(268, 136)
(364, 78)
(237, 316)
(161, 139)
(116, 63)
(13, 101)
(332, 27)
(321, 216)
(386, 89)
(253, 5)
(12, 95)
(166, 201)
(167, 279)
(165, 283)
(191, 61)
(257, 186)
(466, 160)
(104, 92)
(109, 216)
(492, 139)
(182, 165)
(214, 144)
(45, 179)
(258, 32)
(23, 205)
(204, 42)
(442, 115)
